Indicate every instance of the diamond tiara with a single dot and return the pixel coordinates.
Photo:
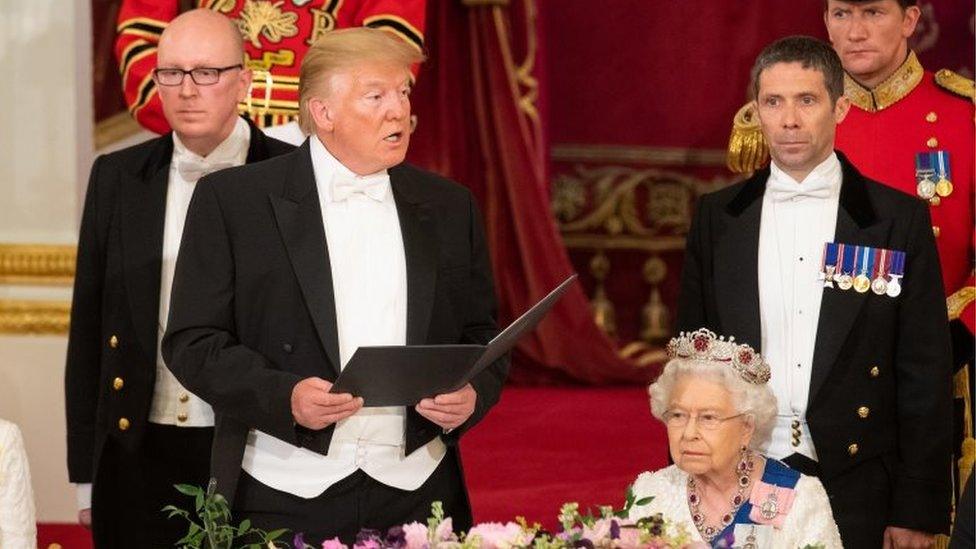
(703, 344)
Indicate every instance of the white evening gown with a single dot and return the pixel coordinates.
(809, 521)
(18, 529)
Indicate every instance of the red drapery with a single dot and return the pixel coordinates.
(480, 124)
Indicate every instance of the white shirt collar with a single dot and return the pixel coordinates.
(328, 169)
(829, 170)
(232, 150)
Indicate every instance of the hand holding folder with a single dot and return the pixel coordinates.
(403, 375)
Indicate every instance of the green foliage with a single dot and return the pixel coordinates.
(209, 526)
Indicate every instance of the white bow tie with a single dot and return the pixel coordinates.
(782, 190)
(192, 169)
(374, 186)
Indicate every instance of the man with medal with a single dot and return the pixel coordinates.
(834, 278)
(913, 130)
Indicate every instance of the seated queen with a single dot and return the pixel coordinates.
(713, 398)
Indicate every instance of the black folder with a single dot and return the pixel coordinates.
(399, 375)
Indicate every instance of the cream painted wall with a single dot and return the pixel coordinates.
(32, 396)
(45, 154)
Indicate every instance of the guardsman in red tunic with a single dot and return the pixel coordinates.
(276, 35)
(913, 130)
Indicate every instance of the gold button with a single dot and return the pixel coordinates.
(184, 397)
(123, 424)
(118, 383)
(113, 341)
(936, 231)
(935, 200)
(875, 372)
(932, 142)
(852, 449)
(931, 117)
(181, 417)
(54, 546)
(863, 412)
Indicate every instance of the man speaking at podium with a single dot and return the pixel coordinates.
(288, 266)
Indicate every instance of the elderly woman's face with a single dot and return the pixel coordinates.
(696, 449)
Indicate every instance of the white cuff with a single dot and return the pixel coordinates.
(83, 495)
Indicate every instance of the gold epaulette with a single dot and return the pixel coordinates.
(747, 147)
(956, 83)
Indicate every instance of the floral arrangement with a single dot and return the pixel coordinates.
(608, 529)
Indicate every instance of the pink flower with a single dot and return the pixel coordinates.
(415, 535)
(629, 537)
(494, 535)
(333, 543)
(599, 531)
(445, 530)
(698, 545)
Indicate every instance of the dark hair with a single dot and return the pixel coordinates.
(810, 53)
(903, 3)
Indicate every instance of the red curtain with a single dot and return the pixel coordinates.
(480, 123)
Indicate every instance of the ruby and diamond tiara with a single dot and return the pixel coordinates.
(703, 344)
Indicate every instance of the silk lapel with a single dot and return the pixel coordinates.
(736, 264)
(857, 224)
(420, 249)
(142, 218)
(299, 218)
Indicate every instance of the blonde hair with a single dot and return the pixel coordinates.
(757, 401)
(343, 49)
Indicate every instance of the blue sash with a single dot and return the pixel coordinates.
(776, 473)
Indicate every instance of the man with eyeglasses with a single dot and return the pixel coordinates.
(133, 430)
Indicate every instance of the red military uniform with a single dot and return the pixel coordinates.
(917, 111)
(276, 35)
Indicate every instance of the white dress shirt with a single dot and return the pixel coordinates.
(369, 279)
(798, 218)
(171, 403)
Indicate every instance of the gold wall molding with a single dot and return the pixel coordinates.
(115, 128)
(37, 264)
(669, 156)
(34, 317)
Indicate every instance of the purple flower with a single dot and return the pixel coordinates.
(396, 537)
(298, 542)
(614, 529)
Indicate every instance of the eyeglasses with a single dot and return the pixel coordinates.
(201, 76)
(707, 420)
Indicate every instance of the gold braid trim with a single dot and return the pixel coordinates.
(956, 83)
(961, 390)
(889, 92)
(747, 147)
(959, 300)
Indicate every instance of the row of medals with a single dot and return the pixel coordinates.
(927, 189)
(862, 283)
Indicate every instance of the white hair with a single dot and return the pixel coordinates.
(757, 402)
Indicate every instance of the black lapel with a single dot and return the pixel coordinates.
(857, 224)
(143, 215)
(420, 248)
(299, 219)
(736, 264)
